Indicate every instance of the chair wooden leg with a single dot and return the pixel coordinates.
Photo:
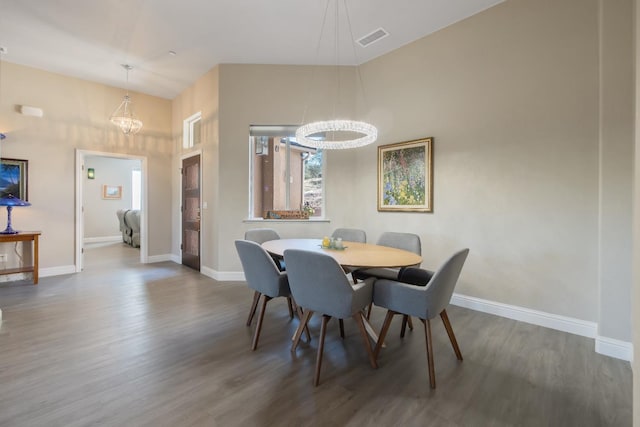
(383, 332)
(406, 320)
(341, 322)
(289, 303)
(300, 316)
(367, 344)
(256, 335)
(427, 333)
(452, 336)
(254, 305)
(323, 332)
(369, 310)
(404, 325)
(302, 326)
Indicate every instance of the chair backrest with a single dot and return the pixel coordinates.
(260, 271)
(407, 241)
(350, 235)
(318, 283)
(120, 214)
(132, 219)
(440, 288)
(261, 235)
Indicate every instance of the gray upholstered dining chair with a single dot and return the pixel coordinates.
(319, 285)
(425, 302)
(350, 235)
(406, 241)
(262, 275)
(261, 235)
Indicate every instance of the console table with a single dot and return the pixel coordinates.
(23, 236)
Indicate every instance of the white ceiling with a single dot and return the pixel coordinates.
(90, 39)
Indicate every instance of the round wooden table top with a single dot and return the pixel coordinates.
(354, 255)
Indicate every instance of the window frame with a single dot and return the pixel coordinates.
(187, 130)
(280, 131)
(136, 189)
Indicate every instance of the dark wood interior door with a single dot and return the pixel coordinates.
(191, 212)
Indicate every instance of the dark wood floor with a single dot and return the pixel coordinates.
(124, 344)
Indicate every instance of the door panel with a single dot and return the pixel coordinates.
(191, 212)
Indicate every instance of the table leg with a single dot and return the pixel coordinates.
(35, 259)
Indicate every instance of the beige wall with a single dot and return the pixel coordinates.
(518, 172)
(76, 116)
(514, 112)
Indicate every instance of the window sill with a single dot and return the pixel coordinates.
(255, 220)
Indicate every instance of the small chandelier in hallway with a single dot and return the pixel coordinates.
(123, 115)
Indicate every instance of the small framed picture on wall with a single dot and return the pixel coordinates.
(112, 191)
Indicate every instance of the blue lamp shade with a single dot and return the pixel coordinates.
(10, 201)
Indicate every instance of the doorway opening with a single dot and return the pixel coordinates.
(111, 206)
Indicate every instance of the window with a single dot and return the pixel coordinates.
(136, 189)
(284, 174)
(191, 131)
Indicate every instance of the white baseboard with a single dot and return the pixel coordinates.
(223, 276)
(540, 318)
(603, 345)
(102, 239)
(161, 258)
(614, 348)
(57, 271)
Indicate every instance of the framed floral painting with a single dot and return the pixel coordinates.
(405, 176)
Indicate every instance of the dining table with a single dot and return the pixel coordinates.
(351, 255)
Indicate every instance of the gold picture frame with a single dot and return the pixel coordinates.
(111, 191)
(405, 176)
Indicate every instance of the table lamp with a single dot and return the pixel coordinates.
(10, 201)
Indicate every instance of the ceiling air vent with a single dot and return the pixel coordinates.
(373, 37)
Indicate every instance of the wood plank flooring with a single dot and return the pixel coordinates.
(124, 344)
